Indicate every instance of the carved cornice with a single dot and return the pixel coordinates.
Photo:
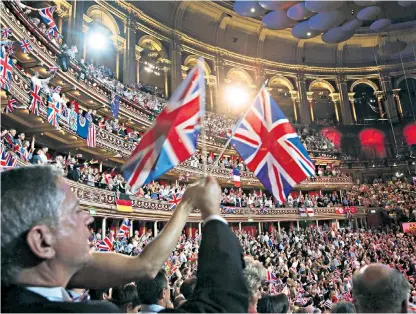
(119, 43)
(63, 8)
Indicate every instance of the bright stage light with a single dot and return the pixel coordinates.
(237, 96)
(97, 40)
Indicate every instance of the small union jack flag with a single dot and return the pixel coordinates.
(9, 48)
(173, 200)
(26, 46)
(124, 230)
(270, 147)
(6, 65)
(4, 84)
(35, 100)
(270, 276)
(47, 16)
(11, 105)
(106, 245)
(54, 33)
(53, 68)
(53, 111)
(6, 32)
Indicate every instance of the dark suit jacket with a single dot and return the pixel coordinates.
(15, 299)
(220, 283)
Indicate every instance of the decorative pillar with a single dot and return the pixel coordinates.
(239, 226)
(305, 113)
(137, 56)
(310, 105)
(199, 228)
(103, 227)
(220, 80)
(380, 96)
(335, 97)
(351, 100)
(84, 46)
(386, 84)
(155, 229)
(189, 229)
(64, 12)
(346, 110)
(60, 21)
(398, 102)
(176, 59)
(317, 223)
(131, 228)
(295, 98)
(129, 60)
(278, 226)
(337, 223)
(297, 224)
(260, 229)
(165, 72)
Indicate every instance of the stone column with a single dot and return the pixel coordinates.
(317, 223)
(297, 225)
(165, 72)
(398, 102)
(305, 113)
(335, 97)
(176, 59)
(345, 104)
(239, 226)
(131, 228)
(260, 227)
(129, 60)
(103, 227)
(295, 98)
(220, 74)
(137, 55)
(278, 226)
(380, 97)
(200, 228)
(352, 103)
(310, 105)
(155, 229)
(337, 222)
(84, 45)
(389, 100)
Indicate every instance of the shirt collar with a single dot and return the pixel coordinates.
(56, 294)
(151, 308)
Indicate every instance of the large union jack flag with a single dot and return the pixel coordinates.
(53, 111)
(35, 99)
(106, 245)
(173, 136)
(173, 200)
(47, 16)
(271, 148)
(6, 65)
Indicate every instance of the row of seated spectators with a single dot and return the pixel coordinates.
(300, 271)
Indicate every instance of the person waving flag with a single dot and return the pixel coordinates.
(270, 147)
(173, 136)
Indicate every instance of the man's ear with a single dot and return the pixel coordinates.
(40, 240)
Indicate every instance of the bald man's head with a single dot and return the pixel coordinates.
(378, 288)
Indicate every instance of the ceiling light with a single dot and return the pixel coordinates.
(308, 34)
(253, 10)
(237, 96)
(97, 40)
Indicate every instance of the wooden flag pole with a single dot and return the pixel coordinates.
(235, 128)
(202, 127)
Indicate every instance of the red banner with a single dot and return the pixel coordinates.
(409, 227)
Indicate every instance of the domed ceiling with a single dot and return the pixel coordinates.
(320, 33)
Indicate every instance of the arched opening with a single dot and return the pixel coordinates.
(190, 63)
(322, 103)
(366, 104)
(372, 144)
(407, 96)
(238, 92)
(280, 91)
(102, 31)
(151, 64)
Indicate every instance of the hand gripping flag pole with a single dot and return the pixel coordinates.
(217, 161)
